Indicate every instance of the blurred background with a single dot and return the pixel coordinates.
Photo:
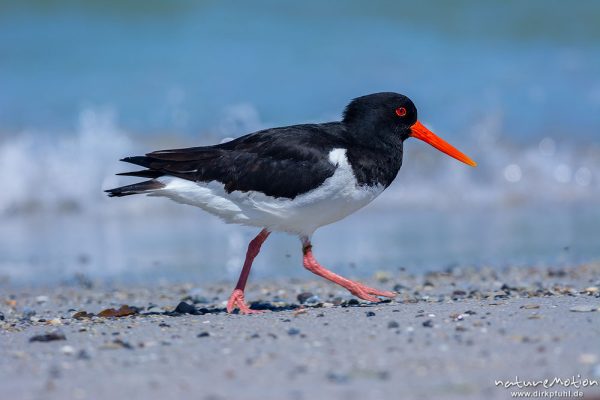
(515, 85)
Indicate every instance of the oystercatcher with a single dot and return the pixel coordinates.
(292, 179)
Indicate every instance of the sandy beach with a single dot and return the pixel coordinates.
(449, 334)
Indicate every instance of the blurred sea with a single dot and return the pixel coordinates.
(515, 85)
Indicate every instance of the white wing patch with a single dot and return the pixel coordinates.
(337, 197)
(338, 156)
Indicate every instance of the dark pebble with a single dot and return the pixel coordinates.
(370, 314)
(48, 337)
(123, 344)
(203, 334)
(164, 325)
(557, 273)
(302, 297)
(83, 355)
(383, 375)
(469, 312)
(262, 305)
(351, 302)
(82, 315)
(293, 331)
(393, 324)
(428, 323)
(185, 308)
(507, 288)
(1, 317)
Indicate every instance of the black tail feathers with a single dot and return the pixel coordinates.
(136, 188)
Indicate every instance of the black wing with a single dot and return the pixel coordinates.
(279, 162)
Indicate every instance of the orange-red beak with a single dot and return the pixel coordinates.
(419, 131)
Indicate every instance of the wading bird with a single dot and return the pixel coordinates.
(292, 179)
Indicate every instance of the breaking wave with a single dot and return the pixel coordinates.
(47, 172)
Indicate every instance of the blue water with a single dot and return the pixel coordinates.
(514, 84)
(175, 67)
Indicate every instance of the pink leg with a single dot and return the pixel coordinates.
(357, 289)
(237, 297)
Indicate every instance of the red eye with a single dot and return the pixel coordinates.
(401, 111)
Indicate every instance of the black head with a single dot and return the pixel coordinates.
(387, 118)
(385, 115)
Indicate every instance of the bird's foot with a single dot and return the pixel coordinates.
(368, 293)
(236, 300)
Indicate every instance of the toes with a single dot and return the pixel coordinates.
(249, 311)
(369, 293)
(365, 296)
(382, 293)
(236, 300)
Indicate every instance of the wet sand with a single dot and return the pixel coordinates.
(447, 335)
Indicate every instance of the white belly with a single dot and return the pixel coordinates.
(337, 197)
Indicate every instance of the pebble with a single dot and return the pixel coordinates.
(123, 311)
(48, 337)
(293, 331)
(1, 317)
(530, 306)
(591, 290)
(41, 299)
(82, 315)
(117, 344)
(457, 317)
(370, 314)
(203, 334)
(428, 323)
(584, 308)
(185, 308)
(393, 324)
(304, 296)
(67, 350)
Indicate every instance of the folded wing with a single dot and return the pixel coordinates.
(277, 162)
